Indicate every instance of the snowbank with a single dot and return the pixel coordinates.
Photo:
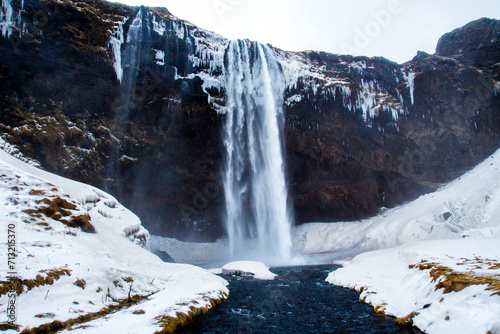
(68, 274)
(398, 281)
(468, 207)
(248, 268)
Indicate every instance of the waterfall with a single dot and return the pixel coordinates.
(258, 219)
(132, 60)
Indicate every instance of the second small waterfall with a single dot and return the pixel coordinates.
(258, 218)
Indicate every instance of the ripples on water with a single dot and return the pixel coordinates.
(297, 301)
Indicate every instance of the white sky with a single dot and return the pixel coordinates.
(395, 29)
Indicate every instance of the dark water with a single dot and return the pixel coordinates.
(297, 301)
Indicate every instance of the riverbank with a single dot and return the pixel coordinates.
(298, 300)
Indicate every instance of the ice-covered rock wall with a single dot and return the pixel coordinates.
(200, 53)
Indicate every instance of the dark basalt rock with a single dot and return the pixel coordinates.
(155, 142)
(476, 44)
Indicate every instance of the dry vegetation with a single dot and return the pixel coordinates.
(21, 285)
(170, 324)
(454, 281)
(450, 281)
(60, 210)
(57, 325)
(406, 321)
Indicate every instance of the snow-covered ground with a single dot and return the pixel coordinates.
(438, 258)
(248, 268)
(95, 270)
(398, 282)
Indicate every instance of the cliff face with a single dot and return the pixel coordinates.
(132, 100)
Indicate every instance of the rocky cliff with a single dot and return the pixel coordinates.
(132, 100)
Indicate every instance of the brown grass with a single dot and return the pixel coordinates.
(45, 315)
(454, 281)
(80, 283)
(6, 326)
(495, 266)
(406, 321)
(58, 209)
(82, 222)
(380, 309)
(50, 277)
(57, 325)
(171, 324)
(37, 192)
(57, 273)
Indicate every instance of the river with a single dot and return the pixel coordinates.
(297, 301)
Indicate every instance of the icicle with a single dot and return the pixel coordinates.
(179, 29)
(6, 21)
(116, 41)
(160, 57)
(409, 77)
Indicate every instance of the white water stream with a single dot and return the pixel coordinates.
(258, 217)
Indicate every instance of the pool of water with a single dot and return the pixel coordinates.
(297, 301)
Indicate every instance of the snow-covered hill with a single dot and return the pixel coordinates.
(468, 207)
(442, 273)
(105, 281)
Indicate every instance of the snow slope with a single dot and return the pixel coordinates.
(444, 276)
(468, 207)
(108, 266)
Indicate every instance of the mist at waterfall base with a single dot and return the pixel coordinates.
(257, 214)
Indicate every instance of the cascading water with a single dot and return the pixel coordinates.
(132, 54)
(132, 60)
(258, 218)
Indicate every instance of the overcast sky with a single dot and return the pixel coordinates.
(395, 29)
